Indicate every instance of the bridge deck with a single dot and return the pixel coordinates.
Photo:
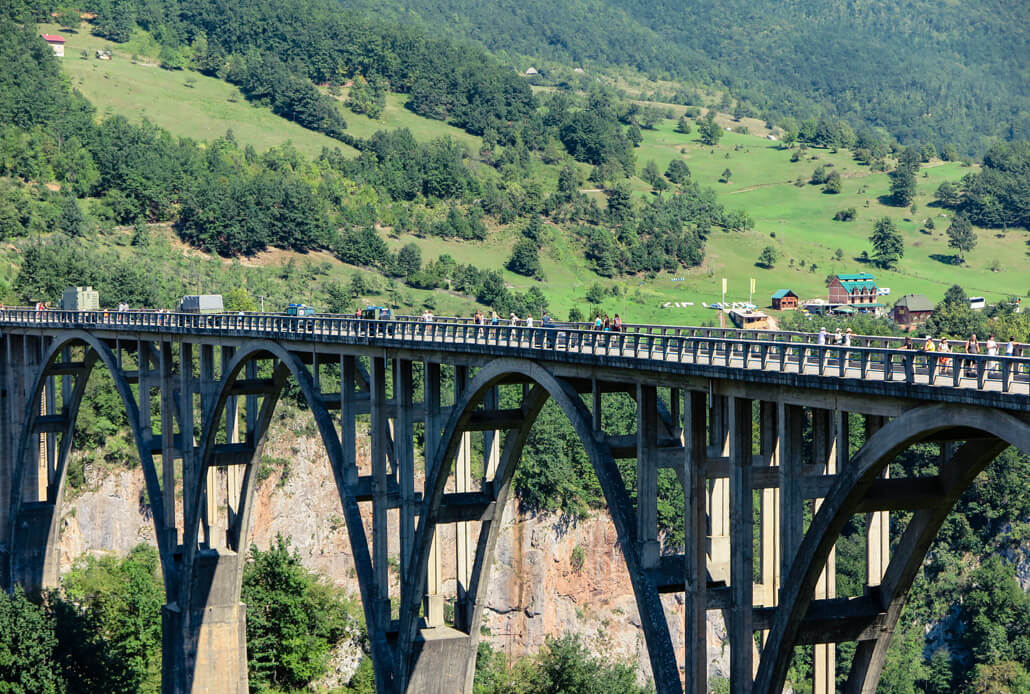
(871, 364)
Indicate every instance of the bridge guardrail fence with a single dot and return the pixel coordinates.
(787, 352)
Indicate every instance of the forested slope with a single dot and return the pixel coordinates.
(925, 71)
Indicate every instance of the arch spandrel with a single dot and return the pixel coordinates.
(97, 351)
(656, 628)
(288, 364)
(853, 482)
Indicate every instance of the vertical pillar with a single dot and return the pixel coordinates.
(825, 452)
(463, 532)
(405, 454)
(694, 497)
(788, 453)
(741, 547)
(167, 384)
(186, 388)
(7, 405)
(209, 503)
(769, 537)
(878, 536)
(647, 475)
(719, 500)
(48, 406)
(432, 606)
(380, 490)
(491, 439)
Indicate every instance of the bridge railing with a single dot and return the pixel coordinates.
(764, 350)
(885, 341)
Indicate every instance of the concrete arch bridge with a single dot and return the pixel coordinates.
(200, 391)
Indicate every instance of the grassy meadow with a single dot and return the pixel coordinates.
(184, 102)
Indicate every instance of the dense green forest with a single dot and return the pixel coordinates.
(923, 71)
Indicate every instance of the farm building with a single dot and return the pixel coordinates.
(784, 300)
(859, 288)
(532, 71)
(911, 310)
(56, 42)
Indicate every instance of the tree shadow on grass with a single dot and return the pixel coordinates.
(946, 259)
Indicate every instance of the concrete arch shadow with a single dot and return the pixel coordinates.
(843, 501)
(545, 386)
(40, 570)
(288, 364)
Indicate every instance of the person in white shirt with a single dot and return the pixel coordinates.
(992, 351)
(821, 339)
(529, 321)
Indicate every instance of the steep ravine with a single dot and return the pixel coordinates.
(540, 584)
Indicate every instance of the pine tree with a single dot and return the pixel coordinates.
(888, 245)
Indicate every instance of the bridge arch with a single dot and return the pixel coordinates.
(544, 386)
(844, 500)
(287, 364)
(95, 351)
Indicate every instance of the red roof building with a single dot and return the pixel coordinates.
(56, 42)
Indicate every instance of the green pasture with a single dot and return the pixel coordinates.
(396, 115)
(184, 102)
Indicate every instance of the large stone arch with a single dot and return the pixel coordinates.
(288, 364)
(545, 385)
(845, 499)
(96, 351)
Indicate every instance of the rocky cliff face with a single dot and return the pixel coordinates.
(548, 577)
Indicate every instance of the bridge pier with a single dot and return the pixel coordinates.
(204, 646)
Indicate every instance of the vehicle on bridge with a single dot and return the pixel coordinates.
(299, 310)
(376, 313)
(202, 303)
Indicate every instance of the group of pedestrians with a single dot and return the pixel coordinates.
(606, 324)
(940, 347)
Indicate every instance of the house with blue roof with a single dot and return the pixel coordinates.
(784, 300)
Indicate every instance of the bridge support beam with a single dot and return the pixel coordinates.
(204, 646)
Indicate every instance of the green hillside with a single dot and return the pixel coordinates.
(796, 221)
(184, 102)
(925, 71)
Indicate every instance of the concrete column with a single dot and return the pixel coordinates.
(769, 509)
(204, 645)
(742, 548)
(463, 532)
(878, 535)
(380, 490)
(647, 475)
(719, 499)
(432, 607)
(824, 450)
(491, 439)
(6, 456)
(186, 390)
(168, 448)
(788, 453)
(694, 496)
(405, 453)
